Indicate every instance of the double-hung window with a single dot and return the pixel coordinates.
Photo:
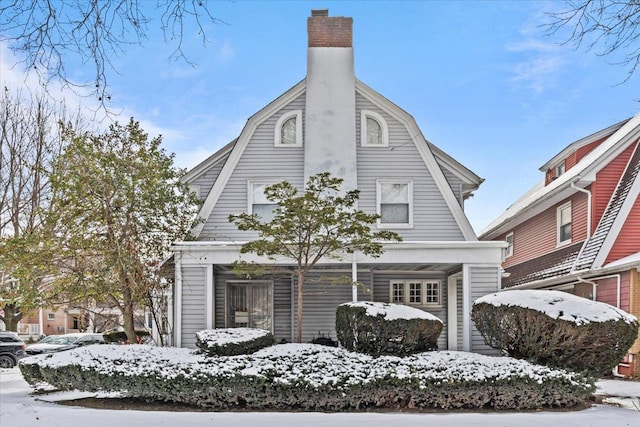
(508, 251)
(395, 203)
(258, 203)
(564, 224)
(415, 292)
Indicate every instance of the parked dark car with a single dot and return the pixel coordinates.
(57, 343)
(12, 349)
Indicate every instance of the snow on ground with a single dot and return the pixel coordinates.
(19, 409)
(558, 305)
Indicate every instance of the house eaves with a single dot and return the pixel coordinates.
(458, 169)
(581, 175)
(566, 152)
(202, 167)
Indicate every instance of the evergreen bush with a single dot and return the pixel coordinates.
(560, 336)
(386, 329)
(233, 341)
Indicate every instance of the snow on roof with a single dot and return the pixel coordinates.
(558, 305)
(229, 335)
(392, 311)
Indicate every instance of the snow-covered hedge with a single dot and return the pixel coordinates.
(309, 377)
(233, 341)
(556, 329)
(377, 328)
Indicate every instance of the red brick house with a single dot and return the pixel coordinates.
(578, 230)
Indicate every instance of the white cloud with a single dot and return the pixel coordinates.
(226, 51)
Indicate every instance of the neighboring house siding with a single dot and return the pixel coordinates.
(193, 304)
(583, 151)
(606, 182)
(607, 291)
(261, 161)
(484, 280)
(432, 219)
(538, 236)
(628, 241)
(205, 182)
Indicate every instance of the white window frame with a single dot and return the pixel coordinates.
(424, 286)
(363, 128)
(508, 251)
(379, 183)
(559, 224)
(250, 184)
(278, 134)
(51, 316)
(560, 169)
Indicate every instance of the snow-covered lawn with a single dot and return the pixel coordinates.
(18, 408)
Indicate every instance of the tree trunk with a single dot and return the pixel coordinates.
(128, 308)
(299, 311)
(12, 316)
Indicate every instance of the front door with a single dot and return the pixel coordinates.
(250, 305)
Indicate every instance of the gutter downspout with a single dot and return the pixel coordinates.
(588, 193)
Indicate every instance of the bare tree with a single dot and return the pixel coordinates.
(606, 26)
(51, 34)
(30, 140)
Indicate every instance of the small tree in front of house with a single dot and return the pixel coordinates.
(321, 222)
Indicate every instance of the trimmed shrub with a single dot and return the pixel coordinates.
(120, 337)
(233, 341)
(323, 339)
(556, 329)
(386, 329)
(311, 377)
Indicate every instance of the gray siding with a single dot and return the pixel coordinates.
(281, 304)
(455, 183)
(261, 161)
(205, 182)
(193, 304)
(381, 294)
(459, 315)
(484, 280)
(432, 219)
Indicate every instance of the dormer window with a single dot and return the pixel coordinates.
(288, 130)
(508, 251)
(560, 169)
(564, 224)
(373, 130)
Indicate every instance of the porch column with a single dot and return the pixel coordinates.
(452, 313)
(354, 277)
(208, 297)
(466, 308)
(177, 302)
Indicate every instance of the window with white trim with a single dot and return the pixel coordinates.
(415, 292)
(51, 316)
(560, 169)
(564, 223)
(395, 203)
(258, 203)
(288, 130)
(508, 251)
(373, 130)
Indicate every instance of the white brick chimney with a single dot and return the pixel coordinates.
(330, 123)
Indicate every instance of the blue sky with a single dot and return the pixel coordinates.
(481, 79)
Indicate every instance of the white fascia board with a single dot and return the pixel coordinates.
(470, 252)
(238, 151)
(581, 143)
(202, 167)
(581, 174)
(427, 156)
(456, 168)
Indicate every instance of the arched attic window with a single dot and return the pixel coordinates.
(373, 130)
(288, 130)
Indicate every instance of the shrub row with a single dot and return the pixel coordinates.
(366, 328)
(121, 336)
(592, 347)
(310, 377)
(233, 341)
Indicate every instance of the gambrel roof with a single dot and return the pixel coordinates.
(436, 160)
